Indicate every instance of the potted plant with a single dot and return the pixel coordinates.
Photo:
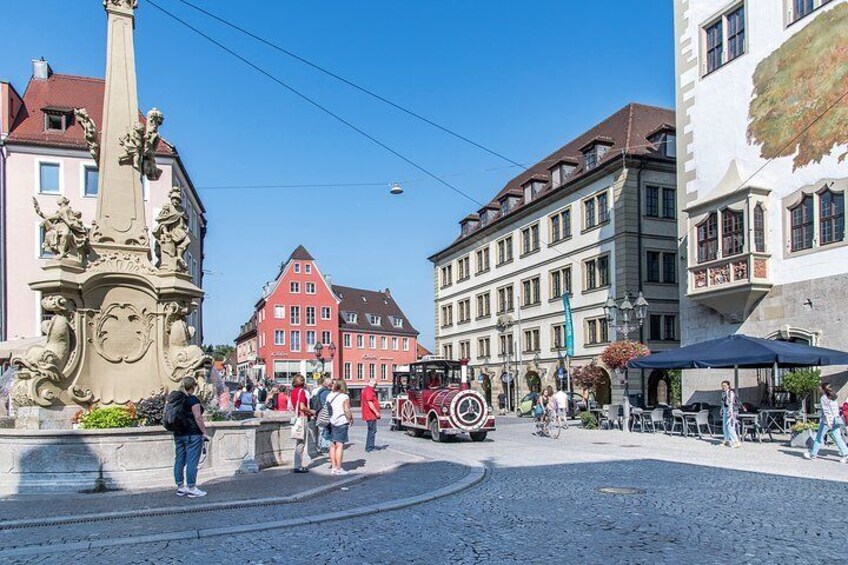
(802, 434)
(617, 355)
(802, 383)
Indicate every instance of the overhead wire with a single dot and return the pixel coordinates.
(350, 83)
(314, 103)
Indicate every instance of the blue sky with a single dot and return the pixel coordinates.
(519, 77)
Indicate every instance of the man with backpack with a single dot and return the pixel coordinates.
(320, 435)
(261, 396)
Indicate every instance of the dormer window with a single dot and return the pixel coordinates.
(350, 317)
(532, 189)
(665, 141)
(56, 119)
(373, 319)
(508, 203)
(594, 151)
(469, 224)
(561, 172)
(487, 215)
(396, 322)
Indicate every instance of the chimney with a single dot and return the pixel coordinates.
(41, 69)
(387, 292)
(329, 280)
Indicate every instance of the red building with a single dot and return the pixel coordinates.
(362, 333)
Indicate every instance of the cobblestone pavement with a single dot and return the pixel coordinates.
(541, 504)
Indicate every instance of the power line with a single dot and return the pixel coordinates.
(314, 103)
(350, 83)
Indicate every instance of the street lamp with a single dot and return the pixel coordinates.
(624, 319)
(503, 325)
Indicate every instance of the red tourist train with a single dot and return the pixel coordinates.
(434, 396)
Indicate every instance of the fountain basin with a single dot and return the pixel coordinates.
(51, 461)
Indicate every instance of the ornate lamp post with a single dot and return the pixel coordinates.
(503, 325)
(624, 318)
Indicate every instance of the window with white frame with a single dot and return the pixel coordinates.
(360, 371)
(465, 349)
(294, 287)
(49, 178)
(560, 282)
(797, 9)
(463, 268)
(360, 341)
(447, 315)
(557, 336)
(294, 315)
(90, 178)
(506, 345)
(484, 305)
(531, 340)
(396, 321)
(384, 343)
(560, 225)
(279, 337)
(394, 344)
(482, 260)
(307, 268)
(530, 239)
(447, 351)
(310, 340)
(597, 272)
(505, 299)
(374, 319)
(530, 292)
(295, 340)
(310, 315)
(464, 310)
(596, 210)
(707, 238)
(346, 340)
(732, 232)
(326, 313)
(723, 39)
(483, 347)
(350, 317)
(504, 250)
(279, 312)
(297, 267)
(347, 368)
(310, 288)
(326, 338)
(447, 276)
(406, 344)
(372, 342)
(832, 217)
(384, 375)
(597, 331)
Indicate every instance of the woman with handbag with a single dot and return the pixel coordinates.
(300, 406)
(831, 423)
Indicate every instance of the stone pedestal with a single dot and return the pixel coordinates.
(50, 418)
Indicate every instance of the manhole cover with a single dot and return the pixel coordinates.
(620, 490)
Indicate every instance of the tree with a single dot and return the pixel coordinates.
(802, 383)
(220, 352)
(796, 85)
(587, 377)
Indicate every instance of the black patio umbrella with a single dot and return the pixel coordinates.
(741, 351)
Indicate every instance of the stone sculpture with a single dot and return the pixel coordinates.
(140, 145)
(183, 358)
(42, 367)
(171, 234)
(64, 233)
(90, 132)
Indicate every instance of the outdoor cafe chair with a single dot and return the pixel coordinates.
(756, 427)
(637, 417)
(613, 419)
(657, 417)
(678, 418)
(702, 420)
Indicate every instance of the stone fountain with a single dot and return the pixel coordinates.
(117, 330)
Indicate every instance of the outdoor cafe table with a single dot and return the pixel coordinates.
(686, 417)
(775, 419)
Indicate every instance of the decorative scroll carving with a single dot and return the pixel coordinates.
(171, 234)
(740, 270)
(64, 233)
(90, 132)
(121, 262)
(140, 146)
(42, 367)
(182, 358)
(122, 333)
(126, 4)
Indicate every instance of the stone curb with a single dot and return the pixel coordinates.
(476, 474)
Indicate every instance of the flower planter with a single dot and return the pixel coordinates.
(802, 439)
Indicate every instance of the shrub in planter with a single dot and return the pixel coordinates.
(150, 410)
(109, 417)
(802, 383)
(589, 421)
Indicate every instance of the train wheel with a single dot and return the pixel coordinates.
(478, 436)
(435, 434)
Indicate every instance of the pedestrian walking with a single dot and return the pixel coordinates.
(300, 407)
(729, 413)
(184, 416)
(370, 413)
(260, 396)
(831, 423)
(340, 421)
(319, 437)
(271, 402)
(245, 401)
(561, 403)
(502, 403)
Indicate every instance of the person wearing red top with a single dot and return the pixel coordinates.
(370, 413)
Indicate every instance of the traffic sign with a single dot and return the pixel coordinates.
(507, 377)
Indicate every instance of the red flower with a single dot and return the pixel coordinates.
(618, 354)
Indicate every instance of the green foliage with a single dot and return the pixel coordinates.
(215, 414)
(675, 377)
(150, 410)
(802, 382)
(220, 352)
(804, 426)
(587, 376)
(108, 417)
(797, 84)
(589, 421)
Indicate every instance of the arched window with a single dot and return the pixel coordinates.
(732, 232)
(708, 238)
(832, 225)
(759, 229)
(802, 224)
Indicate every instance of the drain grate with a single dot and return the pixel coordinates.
(632, 445)
(620, 490)
(600, 443)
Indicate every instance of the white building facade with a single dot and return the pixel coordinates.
(43, 156)
(761, 114)
(597, 218)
